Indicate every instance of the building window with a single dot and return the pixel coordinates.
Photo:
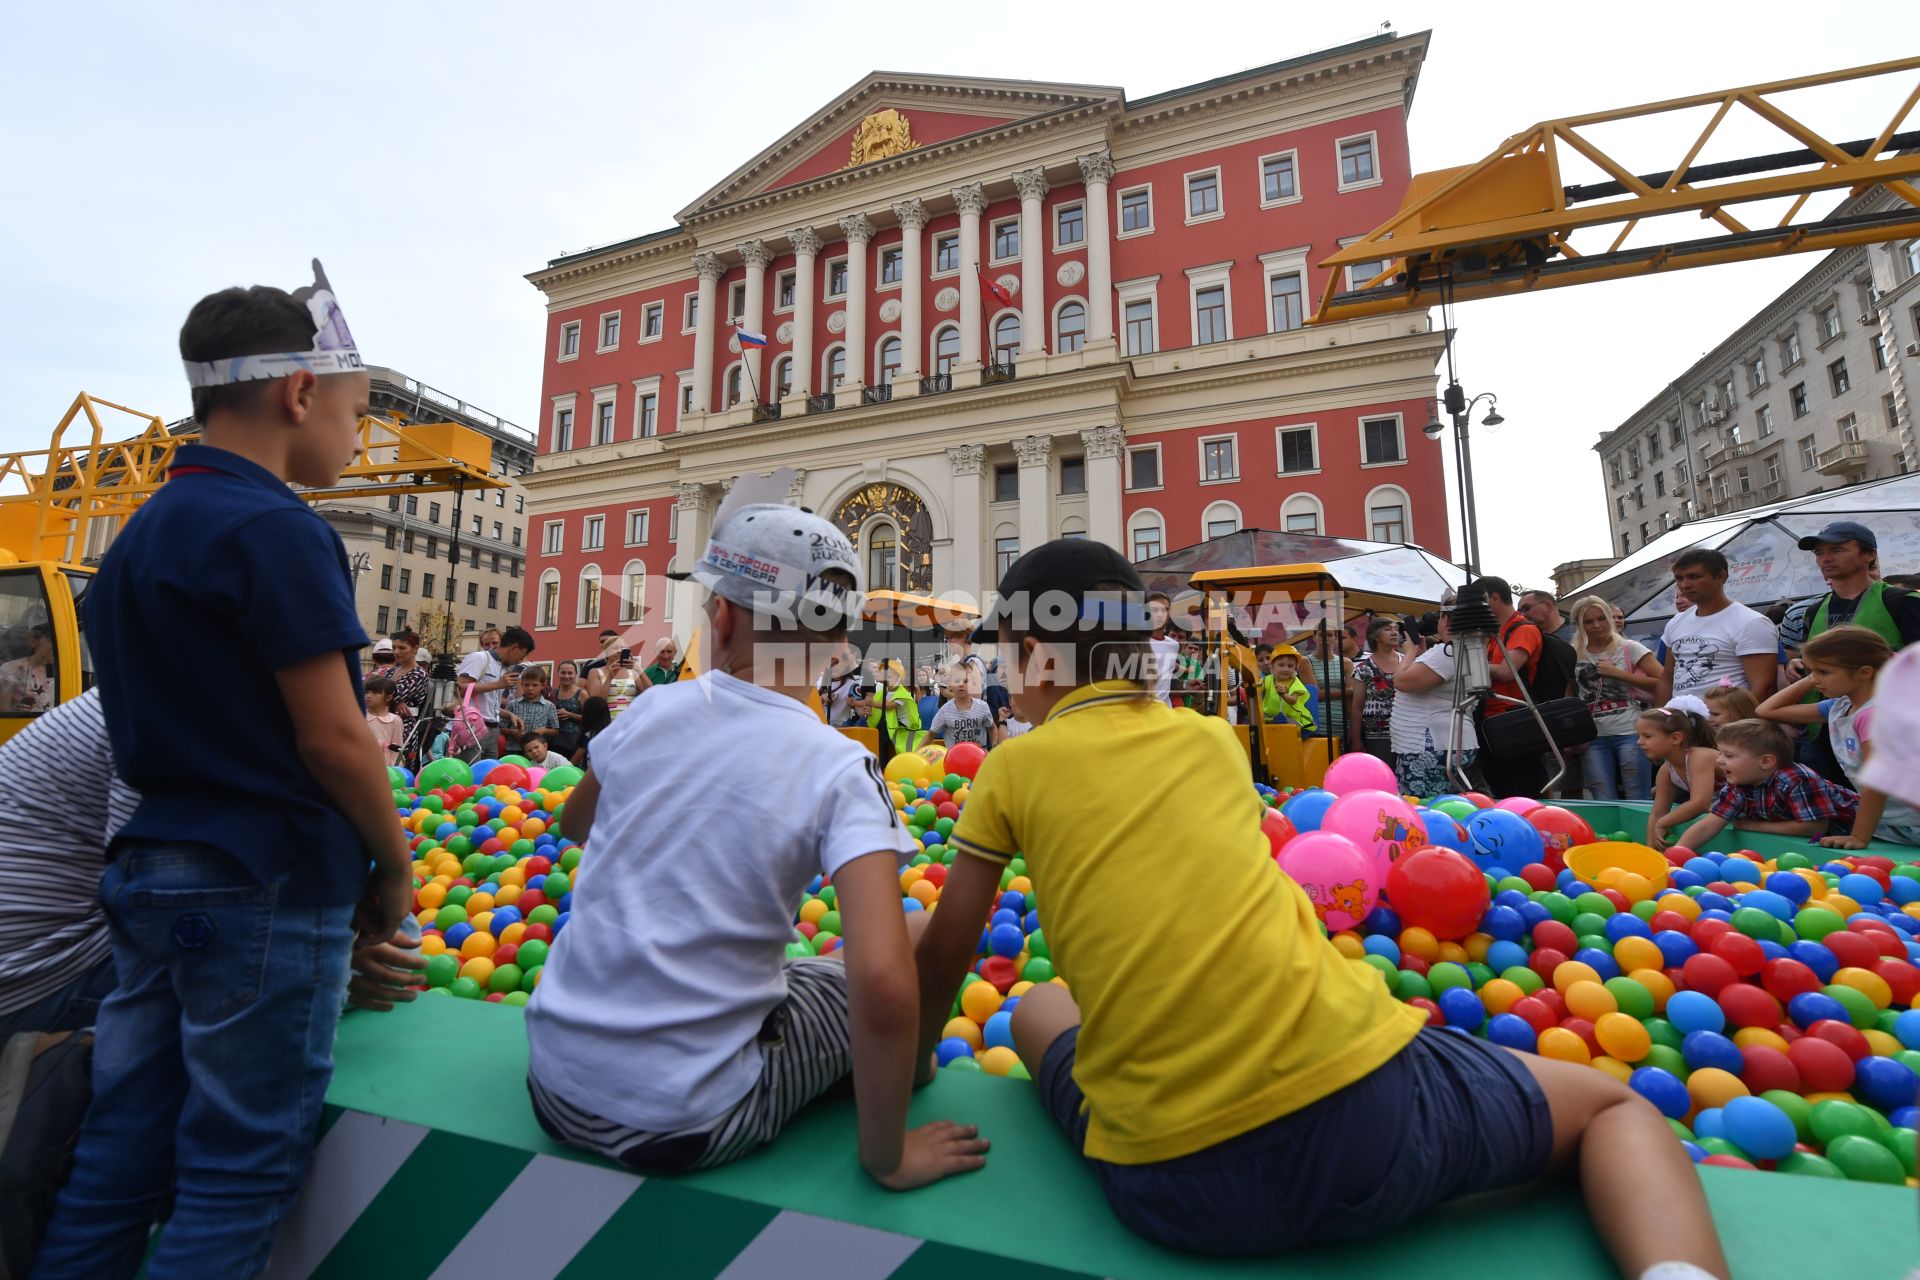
(1773, 468)
(1837, 375)
(406, 541)
(406, 582)
(1005, 552)
(493, 597)
(1143, 467)
(1726, 394)
(736, 385)
(653, 318)
(690, 313)
(593, 533)
(783, 377)
(1357, 167)
(570, 340)
(633, 598)
(1765, 418)
(836, 278)
(433, 547)
(1791, 349)
(516, 536)
(1069, 225)
(1006, 239)
(1279, 182)
(1891, 410)
(563, 430)
(589, 596)
(1613, 465)
(836, 367)
(737, 301)
(1850, 428)
(1285, 302)
(1387, 515)
(1146, 537)
(1069, 327)
(1298, 450)
(1221, 520)
(380, 619)
(1620, 505)
(649, 416)
(610, 331)
(433, 512)
(391, 536)
(1626, 543)
(1006, 482)
(1203, 196)
(638, 520)
(473, 592)
(946, 350)
(783, 291)
(1136, 211)
(1808, 454)
(493, 562)
(1829, 324)
(386, 580)
(603, 422)
(1660, 484)
(1676, 437)
(1797, 396)
(413, 504)
(1880, 351)
(1140, 327)
(892, 264)
(889, 361)
(549, 600)
(1006, 338)
(1758, 371)
(946, 252)
(555, 535)
(1360, 273)
(519, 503)
(1217, 460)
(1301, 514)
(1073, 475)
(1381, 442)
(686, 398)
(883, 557)
(1210, 315)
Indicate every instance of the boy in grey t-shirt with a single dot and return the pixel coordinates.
(964, 719)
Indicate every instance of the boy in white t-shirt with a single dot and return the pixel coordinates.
(670, 1030)
(1718, 639)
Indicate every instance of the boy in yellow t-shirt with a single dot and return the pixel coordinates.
(1237, 1085)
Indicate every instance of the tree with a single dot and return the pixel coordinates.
(440, 629)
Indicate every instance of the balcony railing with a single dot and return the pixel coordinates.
(998, 373)
(1725, 454)
(1849, 455)
(876, 395)
(822, 403)
(935, 383)
(766, 412)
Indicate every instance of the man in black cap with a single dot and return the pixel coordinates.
(1849, 557)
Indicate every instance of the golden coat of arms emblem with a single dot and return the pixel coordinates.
(880, 136)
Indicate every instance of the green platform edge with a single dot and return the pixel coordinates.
(1035, 1212)
(1606, 817)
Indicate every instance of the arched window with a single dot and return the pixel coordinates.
(946, 349)
(1070, 326)
(1146, 536)
(1389, 514)
(1221, 519)
(889, 361)
(549, 615)
(835, 366)
(673, 567)
(590, 596)
(1073, 527)
(883, 557)
(1302, 514)
(783, 377)
(633, 594)
(1006, 338)
(736, 384)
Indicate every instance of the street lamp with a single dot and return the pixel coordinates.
(1460, 409)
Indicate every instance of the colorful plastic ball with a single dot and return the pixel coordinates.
(1711, 1049)
(1623, 1036)
(964, 759)
(1356, 771)
(1713, 1087)
(1512, 1032)
(1666, 1091)
(1444, 831)
(998, 1030)
(1690, 1011)
(1341, 879)
(1462, 1008)
(1862, 1159)
(464, 988)
(950, 1048)
(1440, 891)
(1505, 839)
(1824, 1067)
(1885, 1083)
(440, 774)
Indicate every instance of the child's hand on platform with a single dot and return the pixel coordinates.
(1842, 842)
(935, 1151)
(383, 973)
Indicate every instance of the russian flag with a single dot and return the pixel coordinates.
(748, 338)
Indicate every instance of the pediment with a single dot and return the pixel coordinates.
(933, 109)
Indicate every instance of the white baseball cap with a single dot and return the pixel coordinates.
(770, 557)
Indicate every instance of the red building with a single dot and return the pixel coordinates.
(995, 312)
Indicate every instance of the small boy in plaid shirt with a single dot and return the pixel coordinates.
(530, 712)
(1766, 792)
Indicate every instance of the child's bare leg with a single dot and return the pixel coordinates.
(1038, 1020)
(1628, 1160)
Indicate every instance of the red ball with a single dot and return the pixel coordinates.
(1278, 828)
(537, 865)
(1538, 876)
(536, 932)
(1434, 1017)
(1545, 960)
(1824, 1067)
(807, 929)
(1440, 891)
(1786, 979)
(1557, 936)
(505, 954)
(529, 900)
(1562, 829)
(1536, 1014)
(1670, 922)
(1740, 951)
(1478, 800)
(1902, 977)
(1708, 932)
(1843, 1035)
(939, 797)
(1882, 937)
(1878, 872)
(1852, 950)
(1788, 1032)
(495, 997)
(1584, 1029)
(935, 874)
(1708, 974)
(508, 775)
(1414, 964)
(1555, 1002)
(1729, 1162)
(1748, 1006)
(947, 809)
(965, 758)
(998, 970)
(1768, 1068)
(1617, 898)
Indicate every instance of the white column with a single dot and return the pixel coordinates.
(707, 325)
(1104, 447)
(806, 249)
(859, 232)
(1036, 490)
(972, 202)
(965, 463)
(1097, 169)
(695, 520)
(913, 225)
(1032, 186)
(758, 258)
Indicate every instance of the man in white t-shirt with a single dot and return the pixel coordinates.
(690, 1041)
(491, 670)
(1163, 647)
(1718, 641)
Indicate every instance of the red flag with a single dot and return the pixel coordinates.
(993, 289)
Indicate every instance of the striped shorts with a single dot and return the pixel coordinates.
(806, 1047)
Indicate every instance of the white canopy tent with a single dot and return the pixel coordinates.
(1764, 563)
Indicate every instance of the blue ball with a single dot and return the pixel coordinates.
(1683, 879)
(1758, 1128)
(1691, 1011)
(1461, 1008)
(1306, 810)
(1003, 917)
(1738, 870)
(560, 921)
(999, 1030)
(1793, 888)
(1777, 905)
(1705, 868)
(1663, 1089)
(1382, 919)
(1005, 939)
(1810, 1007)
(1013, 900)
(1905, 889)
(1713, 906)
(1885, 1083)
(1512, 1031)
(502, 917)
(1861, 888)
(1906, 1028)
(1694, 1150)
(1503, 923)
(1534, 914)
(1675, 947)
(1711, 1049)
(931, 839)
(1505, 838)
(1904, 1117)
(458, 934)
(1711, 1123)
(1380, 945)
(1444, 831)
(950, 1048)
(1817, 958)
(1625, 924)
(1502, 956)
(1510, 898)
(911, 905)
(1602, 961)
(1772, 950)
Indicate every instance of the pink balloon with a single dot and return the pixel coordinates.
(1380, 824)
(534, 774)
(1517, 804)
(1357, 771)
(1338, 877)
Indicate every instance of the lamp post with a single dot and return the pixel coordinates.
(1460, 408)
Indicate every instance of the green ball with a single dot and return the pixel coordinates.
(1595, 941)
(517, 850)
(1596, 904)
(1680, 1131)
(1815, 923)
(1835, 1119)
(1631, 997)
(1038, 970)
(516, 998)
(516, 758)
(1589, 923)
(799, 950)
(1757, 924)
(458, 846)
(1409, 985)
(1667, 1059)
(1458, 810)
(925, 814)
(1721, 1147)
(1864, 1160)
(505, 977)
(464, 989)
(1660, 1031)
(442, 969)
(821, 940)
(828, 895)
(1620, 837)
(1808, 1165)
(1447, 976)
(1560, 906)
(1006, 878)
(1524, 978)
(1901, 1143)
(1646, 909)
(437, 991)
(1860, 1010)
(1018, 1071)
(532, 954)
(449, 916)
(1910, 1059)
(964, 1064)
(556, 886)
(829, 923)
(1515, 883)
(434, 804)
(562, 777)
(1480, 974)
(1384, 967)
(1018, 866)
(1798, 1110)
(916, 831)
(1796, 861)
(944, 826)
(570, 860)
(545, 913)
(530, 979)
(919, 860)
(1037, 945)
(457, 895)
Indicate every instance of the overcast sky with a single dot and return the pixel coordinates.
(432, 154)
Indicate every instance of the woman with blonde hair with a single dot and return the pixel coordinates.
(1608, 668)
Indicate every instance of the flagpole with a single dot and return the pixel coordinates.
(747, 364)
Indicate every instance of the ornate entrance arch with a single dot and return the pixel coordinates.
(913, 525)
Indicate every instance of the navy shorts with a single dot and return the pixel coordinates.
(1446, 1116)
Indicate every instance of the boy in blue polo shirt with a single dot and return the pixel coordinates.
(231, 894)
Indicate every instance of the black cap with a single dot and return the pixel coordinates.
(1841, 531)
(1073, 569)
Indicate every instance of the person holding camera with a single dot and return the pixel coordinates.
(488, 671)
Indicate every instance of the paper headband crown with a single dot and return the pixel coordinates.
(333, 349)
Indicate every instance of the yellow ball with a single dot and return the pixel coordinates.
(1477, 945)
(1571, 971)
(980, 1002)
(1349, 946)
(513, 876)
(1634, 886)
(909, 767)
(1563, 1045)
(964, 1028)
(924, 892)
(1841, 905)
(479, 968)
(1453, 953)
(1632, 953)
(1020, 884)
(1416, 941)
(513, 933)
(482, 923)
(508, 895)
(1881, 1043)
(1658, 983)
(1712, 1087)
(1019, 989)
(1681, 905)
(1867, 983)
(1590, 1000)
(999, 1060)
(1761, 1038)
(811, 911)
(1500, 995)
(533, 828)
(478, 902)
(1622, 1035)
(478, 943)
(1614, 1067)
(432, 944)
(910, 877)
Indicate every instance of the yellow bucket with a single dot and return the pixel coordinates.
(1602, 865)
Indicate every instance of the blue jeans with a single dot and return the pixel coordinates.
(70, 1008)
(210, 1064)
(1619, 751)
